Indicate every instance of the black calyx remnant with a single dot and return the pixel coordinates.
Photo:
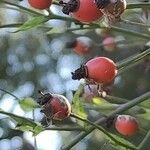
(71, 6)
(110, 120)
(80, 73)
(44, 98)
(71, 44)
(102, 3)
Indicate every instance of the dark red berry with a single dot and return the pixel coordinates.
(55, 107)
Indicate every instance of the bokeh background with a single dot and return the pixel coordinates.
(34, 60)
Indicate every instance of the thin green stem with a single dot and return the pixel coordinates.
(24, 120)
(102, 120)
(121, 70)
(116, 100)
(102, 130)
(12, 25)
(9, 93)
(138, 5)
(35, 141)
(132, 59)
(66, 128)
(135, 23)
(145, 143)
(133, 33)
(54, 16)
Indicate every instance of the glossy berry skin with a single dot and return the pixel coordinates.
(109, 44)
(56, 107)
(85, 11)
(101, 70)
(40, 4)
(126, 125)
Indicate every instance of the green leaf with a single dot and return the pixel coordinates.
(35, 130)
(146, 115)
(28, 104)
(146, 103)
(24, 124)
(36, 21)
(77, 106)
(56, 31)
(103, 104)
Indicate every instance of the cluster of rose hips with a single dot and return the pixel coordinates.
(57, 107)
(83, 45)
(99, 71)
(86, 10)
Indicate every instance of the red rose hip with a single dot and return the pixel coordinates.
(82, 10)
(109, 44)
(126, 125)
(40, 4)
(81, 45)
(55, 106)
(100, 70)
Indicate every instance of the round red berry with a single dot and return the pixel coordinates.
(54, 106)
(81, 45)
(82, 10)
(126, 125)
(100, 70)
(40, 4)
(109, 44)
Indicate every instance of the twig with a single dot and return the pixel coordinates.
(135, 58)
(9, 93)
(145, 143)
(135, 23)
(119, 110)
(138, 5)
(102, 130)
(35, 141)
(12, 25)
(66, 128)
